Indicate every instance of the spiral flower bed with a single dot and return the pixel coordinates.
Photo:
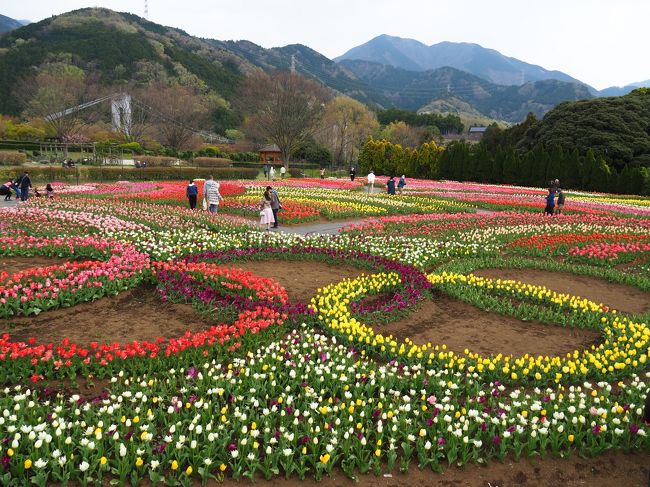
(279, 388)
(260, 303)
(623, 351)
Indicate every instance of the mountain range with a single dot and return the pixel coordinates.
(488, 64)
(623, 90)
(7, 23)
(122, 47)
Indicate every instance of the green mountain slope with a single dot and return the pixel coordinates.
(617, 128)
(469, 116)
(7, 24)
(414, 90)
(119, 48)
(116, 47)
(307, 62)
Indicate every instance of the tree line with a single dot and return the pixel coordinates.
(464, 162)
(461, 161)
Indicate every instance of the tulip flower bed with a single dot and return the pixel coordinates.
(265, 386)
(246, 418)
(258, 302)
(624, 349)
(115, 267)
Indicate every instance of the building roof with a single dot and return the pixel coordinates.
(270, 148)
(473, 130)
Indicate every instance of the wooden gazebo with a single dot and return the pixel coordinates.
(270, 154)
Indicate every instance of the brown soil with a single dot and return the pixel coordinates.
(138, 314)
(300, 279)
(17, 264)
(459, 325)
(607, 470)
(624, 298)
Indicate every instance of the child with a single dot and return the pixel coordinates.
(49, 191)
(401, 184)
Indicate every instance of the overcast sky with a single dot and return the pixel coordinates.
(600, 42)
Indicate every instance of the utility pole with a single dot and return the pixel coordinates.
(146, 9)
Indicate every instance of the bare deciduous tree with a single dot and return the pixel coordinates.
(282, 108)
(58, 95)
(346, 124)
(177, 112)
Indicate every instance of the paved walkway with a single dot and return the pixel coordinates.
(8, 204)
(328, 228)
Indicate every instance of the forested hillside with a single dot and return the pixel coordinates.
(616, 128)
(114, 48)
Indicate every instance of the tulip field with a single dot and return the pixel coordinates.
(453, 333)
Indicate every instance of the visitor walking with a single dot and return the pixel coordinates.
(390, 185)
(266, 171)
(322, 173)
(266, 213)
(211, 195)
(560, 201)
(24, 183)
(401, 184)
(49, 190)
(192, 194)
(353, 174)
(371, 181)
(272, 173)
(283, 171)
(276, 204)
(550, 202)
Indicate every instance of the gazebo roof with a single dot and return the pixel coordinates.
(270, 148)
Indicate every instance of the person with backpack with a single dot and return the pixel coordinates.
(24, 183)
(192, 194)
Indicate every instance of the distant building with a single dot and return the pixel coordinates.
(270, 154)
(476, 133)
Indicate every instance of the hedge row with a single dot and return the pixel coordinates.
(12, 158)
(211, 162)
(92, 173)
(158, 161)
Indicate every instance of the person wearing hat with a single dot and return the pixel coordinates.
(192, 193)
